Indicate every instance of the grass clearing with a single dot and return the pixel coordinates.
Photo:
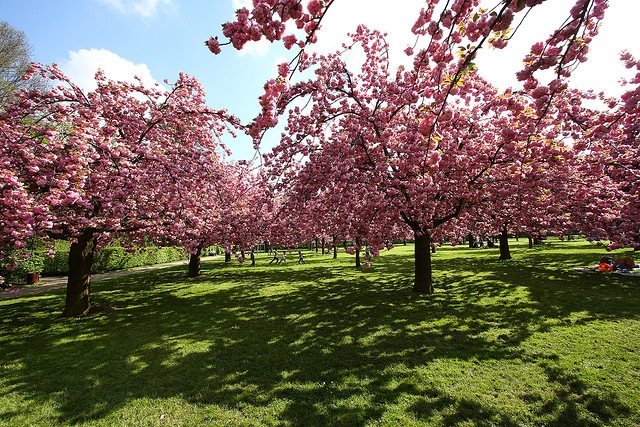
(524, 342)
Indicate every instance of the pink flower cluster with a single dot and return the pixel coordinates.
(267, 19)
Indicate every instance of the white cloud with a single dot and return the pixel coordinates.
(259, 48)
(144, 8)
(239, 4)
(345, 16)
(83, 64)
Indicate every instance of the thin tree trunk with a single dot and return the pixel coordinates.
(194, 263)
(505, 253)
(81, 253)
(358, 252)
(316, 240)
(530, 241)
(423, 280)
(335, 247)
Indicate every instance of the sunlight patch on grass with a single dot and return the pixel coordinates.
(523, 342)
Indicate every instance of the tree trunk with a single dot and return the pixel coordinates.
(78, 299)
(194, 263)
(530, 241)
(358, 252)
(423, 281)
(227, 256)
(505, 253)
(472, 241)
(323, 244)
(335, 247)
(316, 240)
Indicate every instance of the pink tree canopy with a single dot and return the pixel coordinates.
(432, 138)
(90, 167)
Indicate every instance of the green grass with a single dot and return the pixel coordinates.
(524, 342)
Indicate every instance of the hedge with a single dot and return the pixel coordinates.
(110, 258)
(118, 258)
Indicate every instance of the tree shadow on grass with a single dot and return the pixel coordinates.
(314, 345)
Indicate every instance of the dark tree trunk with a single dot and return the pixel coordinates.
(472, 241)
(423, 282)
(194, 263)
(78, 299)
(335, 247)
(358, 252)
(323, 245)
(227, 257)
(316, 240)
(505, 253)
(530, 241)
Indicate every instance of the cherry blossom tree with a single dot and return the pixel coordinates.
(328, 194)
(415, 131)
(609, 150)
(376, 132)
(93, 166)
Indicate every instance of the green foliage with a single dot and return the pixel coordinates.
(114, 258)
(524, 342)
(110, 258)
(34, 263)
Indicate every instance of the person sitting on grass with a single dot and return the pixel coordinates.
(623, 264)
(606, 264)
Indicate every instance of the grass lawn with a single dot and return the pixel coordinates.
(524, 342)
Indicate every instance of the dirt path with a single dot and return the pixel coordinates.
(50, 283)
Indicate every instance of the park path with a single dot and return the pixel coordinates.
(50, 283)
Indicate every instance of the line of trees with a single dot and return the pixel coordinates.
(430, 150)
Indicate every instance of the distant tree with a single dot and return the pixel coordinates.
(15, 57)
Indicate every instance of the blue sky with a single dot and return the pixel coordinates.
(157, 39)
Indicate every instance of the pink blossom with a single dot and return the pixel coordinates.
(315, 7)
(213, 45)
(283, 69)
(289, 41)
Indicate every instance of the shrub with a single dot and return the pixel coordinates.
(110, 258)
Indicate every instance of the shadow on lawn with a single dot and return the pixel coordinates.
(332, 345)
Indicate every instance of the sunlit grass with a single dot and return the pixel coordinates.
(511, 343)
